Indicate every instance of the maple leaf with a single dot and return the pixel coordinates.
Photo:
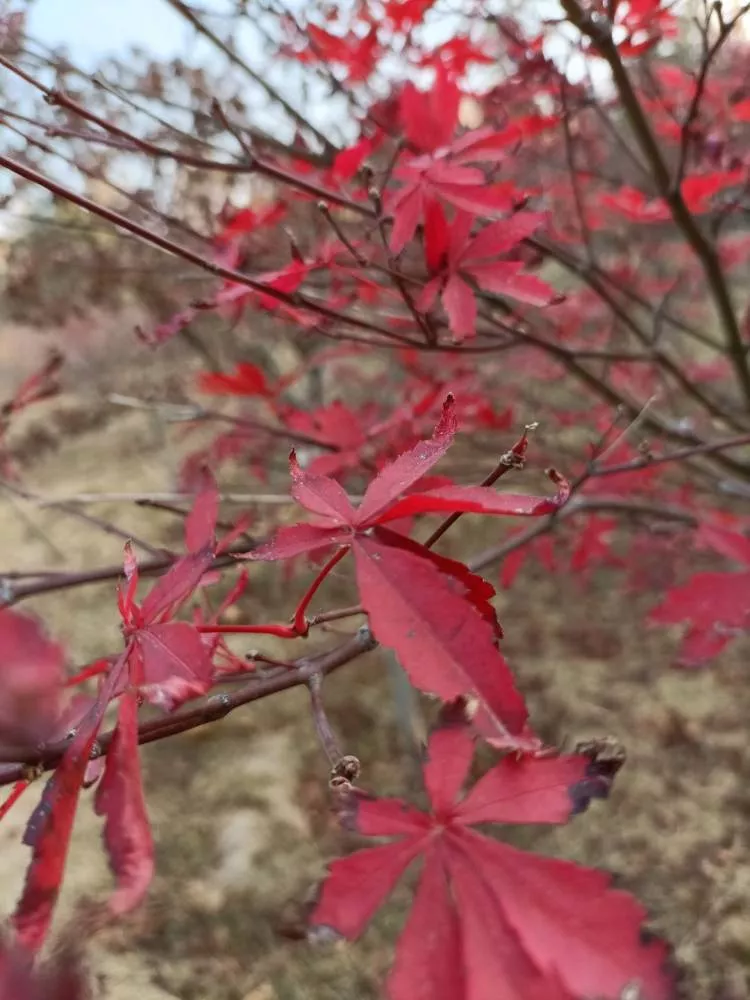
(238, 225)
(490, 921)
(168, 660)
(456, 55)
(444, 172)
(119, 798)
(460, 257)
(697, 193)
(233, 297)
(246, 380)
(717, 608)
(357, 51)
(405, 14)
(429, 612)
(31, 680)
(542, 548)
(429, 117)
(51, 824)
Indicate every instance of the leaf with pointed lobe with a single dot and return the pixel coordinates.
(509, 278)
(489, 145)
(594, 545)
(542, 548)
(456, 55)
(243, 222)
(460, 307)
(405, 14)
(246, 380)
(49, 829)
(478, 591)
(517, 925)
(174, 663)
(119, 798)
(408, 469)
(445, 645)
(429, 118)
(717, 608)
(480, 500)
(200, 524)
(176, 585)
(446, 762)
(359, 885)
(295, 540)
(729, 543)
(429, 962)
(451, 250)
(321, 495)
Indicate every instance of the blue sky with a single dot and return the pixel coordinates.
(92, 28)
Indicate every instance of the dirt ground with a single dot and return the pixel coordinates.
(239, 808)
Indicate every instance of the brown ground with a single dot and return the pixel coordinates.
(239, 809)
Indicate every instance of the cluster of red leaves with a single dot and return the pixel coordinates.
(716, 606)
(164, 661)
(456, 258)
(453, 228)
(489, 920)
(431, 610)
(438, 618)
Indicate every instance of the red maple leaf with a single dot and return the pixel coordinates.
(697, 193)
(429, 117)
(233, 297)
(443, 171)
(417, 603)
(246, 380)
(357, 51)
(717, 608)
(51, 824)
(119, 798)
(456, 55)
(458, 258)
(405, 14)
(489, 921)
(238, 225)
(168, 660)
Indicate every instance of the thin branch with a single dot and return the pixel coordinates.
(215, 707)
(297, 117)
(706, 253)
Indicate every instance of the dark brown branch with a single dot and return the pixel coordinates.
(215, 707)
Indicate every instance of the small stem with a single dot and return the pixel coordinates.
(280, 631)
(512, 459)
(15, 794)
(323, 727)
(301, 624)
(93, 670)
